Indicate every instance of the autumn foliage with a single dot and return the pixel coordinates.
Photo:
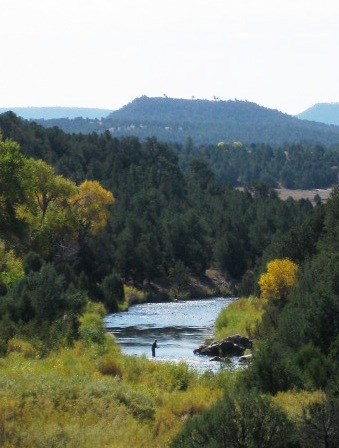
(280, 277)
(91, 205)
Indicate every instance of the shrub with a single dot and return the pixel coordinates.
(133, 295)
(92, 329)
(95, 308)
(113, 291)
(109, 365)
(11, 268)
(320, 424)
(241, 421)
(23, 347)
(295, 402)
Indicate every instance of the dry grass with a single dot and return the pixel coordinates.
(295, 402)
(285, 193)
(93, 396)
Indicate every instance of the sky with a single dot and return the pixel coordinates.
(104, 53)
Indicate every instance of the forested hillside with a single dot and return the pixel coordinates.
(86, 219)
(303, 166)
(290, 166)
(292, 383)
(207, 122)
(165, 224)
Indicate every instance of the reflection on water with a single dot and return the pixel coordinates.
(179, 327)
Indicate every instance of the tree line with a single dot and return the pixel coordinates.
(208, 122)
(292, 166)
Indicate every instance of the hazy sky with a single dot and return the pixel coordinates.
(104, 53)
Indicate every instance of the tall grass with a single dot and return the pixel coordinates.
(294, 403)
(240, 317)
(93, 396)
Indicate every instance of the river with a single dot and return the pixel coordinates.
(179, 328)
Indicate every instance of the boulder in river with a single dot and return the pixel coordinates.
(245, 359)
(231, 346)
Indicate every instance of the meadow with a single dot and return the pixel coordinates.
(93, 396)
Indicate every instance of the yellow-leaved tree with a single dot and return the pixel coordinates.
(280, 277)
(90, 204)
(59, 213)
(46, 208)
(46, 193)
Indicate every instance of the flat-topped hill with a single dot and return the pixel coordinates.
(206, 122)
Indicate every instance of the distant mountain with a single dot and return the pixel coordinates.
(323, 113)
(50, 113)
(166, 110)
(206, 122)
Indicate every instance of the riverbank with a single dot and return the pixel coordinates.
(92, 396)
(212, 284)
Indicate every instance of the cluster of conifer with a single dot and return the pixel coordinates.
(295, 166)
(165, 224)
(296, 353)
(81, 215)
(162, 215)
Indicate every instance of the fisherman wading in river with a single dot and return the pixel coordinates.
(154, 346)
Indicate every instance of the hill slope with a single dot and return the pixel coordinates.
(49, 113)
(205, 121)
(323, 112)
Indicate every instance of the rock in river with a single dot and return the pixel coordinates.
(231, 346)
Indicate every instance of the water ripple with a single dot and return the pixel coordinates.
(179, 327)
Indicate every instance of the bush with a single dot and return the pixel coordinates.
(113, 291)
(23, 347)
(92, 328)
(109, 365)
(246, 420)
(96, 308)
(320, 424)
(133, 295)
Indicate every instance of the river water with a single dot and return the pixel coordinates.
(179, 328)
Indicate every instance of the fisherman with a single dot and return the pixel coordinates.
(154, 346)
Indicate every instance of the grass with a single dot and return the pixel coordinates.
(132, 295)
(240, 317)
(295, 402)
(93, 396)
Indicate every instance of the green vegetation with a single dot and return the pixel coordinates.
(239, 420)
(292, 382)
(166, 224)
(303, 166)
(240, 317)
(92, 396)
(208, 122)
(92, 223)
